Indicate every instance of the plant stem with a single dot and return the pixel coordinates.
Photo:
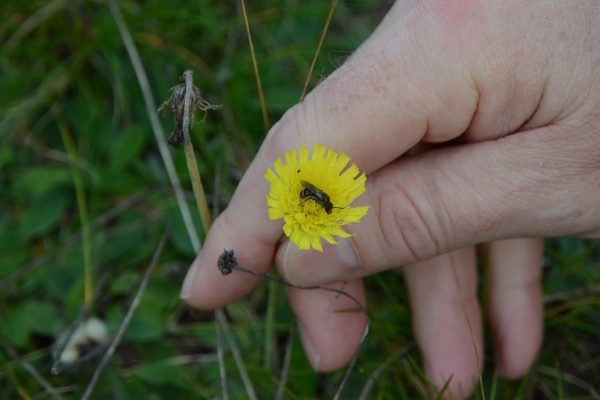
(190, 156)
(157, 130)
(318, 51)
(83, 214)
(128, 316)
(261, 96)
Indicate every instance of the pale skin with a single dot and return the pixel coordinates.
(517, 83)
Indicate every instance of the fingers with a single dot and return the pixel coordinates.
(330, 324)
(446, 319)
(420, 207)
(388, 96)
(515, 303)
(444, 199)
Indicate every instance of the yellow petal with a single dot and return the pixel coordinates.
(315, 241)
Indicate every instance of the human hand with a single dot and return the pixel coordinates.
(517, 84)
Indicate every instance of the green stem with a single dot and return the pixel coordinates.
(83, 213)
(270, 326)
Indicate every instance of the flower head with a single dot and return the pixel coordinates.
(313, 195)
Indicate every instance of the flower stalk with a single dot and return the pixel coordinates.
(185, 100)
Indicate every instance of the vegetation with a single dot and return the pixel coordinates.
(85, 199)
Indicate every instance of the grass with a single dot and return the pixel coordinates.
(104, 200)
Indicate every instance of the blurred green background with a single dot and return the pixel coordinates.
(65, 77)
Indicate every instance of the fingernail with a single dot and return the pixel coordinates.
(309, 348)
(290, 253)
(188, 283)
(302, 267)
(347, 254)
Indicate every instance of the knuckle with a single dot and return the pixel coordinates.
(407, 227)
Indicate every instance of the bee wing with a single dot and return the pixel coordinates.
(308, 185)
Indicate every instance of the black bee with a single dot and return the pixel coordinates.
(310, 191)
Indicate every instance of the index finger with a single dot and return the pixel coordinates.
(404, 84)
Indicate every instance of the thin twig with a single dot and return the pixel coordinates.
(415, 378)
(269, 329)
(261, 96)
(570, 294)
(27, 366)
(128, 316)
(289, 346)
(57, 364)
(236, 355)
(184, 359)
(364, 394)
(572, 379)
(36, 19)
(216, 197)
(222, 76)
(227, 263)
(318, 51)
(342, 384)
(220, 356)
(154, 121)
(30, 140)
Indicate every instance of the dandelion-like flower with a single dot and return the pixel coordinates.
(313, 195)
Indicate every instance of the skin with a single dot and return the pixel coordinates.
(476, 121)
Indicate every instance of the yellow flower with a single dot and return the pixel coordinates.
(313, 195)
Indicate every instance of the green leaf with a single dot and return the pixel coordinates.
(14, 327)
(127, 242)
(127, 147)
(42, 318)
(144, 326)
(7, 156)
(161, 373)
(43, 214)
(37, 182)
(54, 280)
(12, 259)
(179, 235)
(115, 180)
(19, 322)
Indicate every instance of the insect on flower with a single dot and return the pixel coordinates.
(306, 188)
(310, 191)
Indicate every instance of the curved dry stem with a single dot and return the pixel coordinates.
(159, 135)
(27, 366)
(364, 394)
(128, 316)
(237, 357)
(318, 51)
(190, 157)
(261, 96)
